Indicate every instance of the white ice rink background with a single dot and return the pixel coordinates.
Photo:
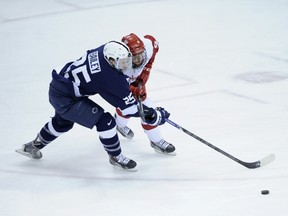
(222, 72)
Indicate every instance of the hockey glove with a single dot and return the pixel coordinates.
(138, 92)
(156, 116)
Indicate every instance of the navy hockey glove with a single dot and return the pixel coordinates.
(156, 116)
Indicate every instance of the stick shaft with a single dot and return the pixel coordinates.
(251, 165)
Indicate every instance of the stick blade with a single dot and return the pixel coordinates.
(268, 159)
(260, 163)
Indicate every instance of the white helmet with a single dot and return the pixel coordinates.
(118, 55)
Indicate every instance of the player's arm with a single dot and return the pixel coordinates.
(152, 116)
(127, 107)
(144, 76)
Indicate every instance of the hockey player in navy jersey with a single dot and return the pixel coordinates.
(100, 71)
(143, 51)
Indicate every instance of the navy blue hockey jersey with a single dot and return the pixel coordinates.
(91, 74)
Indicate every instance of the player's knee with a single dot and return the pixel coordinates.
(60, 124)
(106, 125)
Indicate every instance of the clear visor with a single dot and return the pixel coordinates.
(124, 64)
(138, 59)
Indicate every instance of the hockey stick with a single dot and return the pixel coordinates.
(251, 165)
(140, 105)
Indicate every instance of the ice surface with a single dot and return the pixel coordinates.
(221, 71)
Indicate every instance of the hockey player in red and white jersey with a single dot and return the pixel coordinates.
(144, 50)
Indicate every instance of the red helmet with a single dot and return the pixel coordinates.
(134, 43)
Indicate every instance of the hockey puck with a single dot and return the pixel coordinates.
(265, 192)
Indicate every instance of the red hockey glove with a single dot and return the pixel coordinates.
(138, 92)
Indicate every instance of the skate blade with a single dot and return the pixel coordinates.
(119, 167)
(20, 151)
(164, 153)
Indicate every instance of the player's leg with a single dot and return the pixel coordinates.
(56, 126)
(49, 132)
(121, 125)
(106, 127)
(89, 114)
(154, 134)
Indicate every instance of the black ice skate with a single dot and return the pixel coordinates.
(125, 131)
(163, 147)
(30, 150)
(122, 161)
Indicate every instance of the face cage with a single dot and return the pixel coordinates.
(138, 59)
